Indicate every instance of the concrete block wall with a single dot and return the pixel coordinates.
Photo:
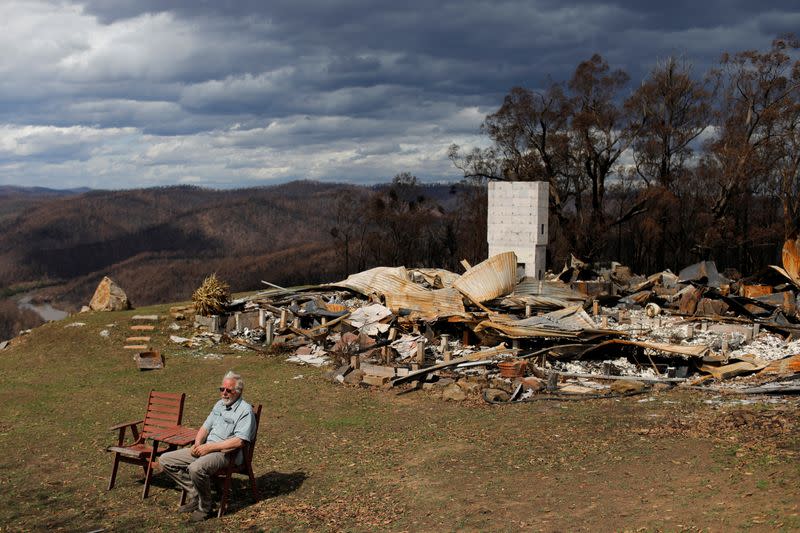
(518, 222)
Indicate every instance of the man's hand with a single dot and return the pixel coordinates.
(199, 450)
(199, 441)
(229, 445)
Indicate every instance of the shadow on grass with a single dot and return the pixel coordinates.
(274, 483)
(270, 485)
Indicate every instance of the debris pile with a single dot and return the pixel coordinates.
(582, 333)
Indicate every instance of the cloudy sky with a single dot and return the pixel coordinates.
(230, 93)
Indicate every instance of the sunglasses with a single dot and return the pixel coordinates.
(225, 389)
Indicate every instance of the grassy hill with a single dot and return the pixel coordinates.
(334, 458)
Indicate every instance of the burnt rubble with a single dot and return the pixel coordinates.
(583, 333)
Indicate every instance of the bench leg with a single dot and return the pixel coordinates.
(147, 477)
(149, 470)
(253, 486)
(114, 471)
(223, 502)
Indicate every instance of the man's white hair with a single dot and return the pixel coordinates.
(237, 378)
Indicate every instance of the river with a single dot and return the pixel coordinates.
(46, 311)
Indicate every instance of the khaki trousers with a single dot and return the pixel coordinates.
(193, 474)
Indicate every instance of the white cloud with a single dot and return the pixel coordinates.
(239, 90)
(40, 35)
(46, 141)
(223, 158)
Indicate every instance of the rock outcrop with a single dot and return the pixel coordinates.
(109, 297)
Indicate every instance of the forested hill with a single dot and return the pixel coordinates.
(160, 243)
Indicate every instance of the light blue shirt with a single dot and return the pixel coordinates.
(234, 421)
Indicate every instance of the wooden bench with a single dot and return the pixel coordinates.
(163, 416)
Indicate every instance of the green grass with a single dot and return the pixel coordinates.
(333, 458)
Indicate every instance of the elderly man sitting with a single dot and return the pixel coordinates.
(229, 426)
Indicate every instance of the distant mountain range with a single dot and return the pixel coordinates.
(17, 191)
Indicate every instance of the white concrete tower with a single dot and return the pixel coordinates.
(518, 223)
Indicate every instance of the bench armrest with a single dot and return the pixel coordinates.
(126, 424)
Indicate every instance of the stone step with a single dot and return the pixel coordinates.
(138, 347)
(143, 328)
(151, 318)
(137, 339)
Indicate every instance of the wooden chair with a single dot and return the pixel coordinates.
(164, 411)
(246, 468)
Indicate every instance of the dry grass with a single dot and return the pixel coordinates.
(333, 458)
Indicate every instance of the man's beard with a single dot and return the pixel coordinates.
(230, 401)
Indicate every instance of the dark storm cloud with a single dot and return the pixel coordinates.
(234, 92)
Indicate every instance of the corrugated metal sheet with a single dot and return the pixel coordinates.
(537, 302)
(438, 278)
(786, 275)
(429, 303)
(548, 289)
(489, 279)
(791, 259)
(393, 284)
(569, 322)
(515, 331)
(703, 270)
(379, 280)
(572, 318)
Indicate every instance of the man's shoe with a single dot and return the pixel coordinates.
(200, 515)
(156, 467)
(188, 507)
